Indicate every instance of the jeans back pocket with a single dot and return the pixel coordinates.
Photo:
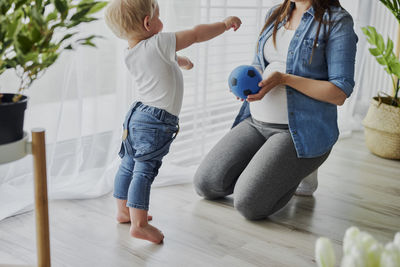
(144, 141)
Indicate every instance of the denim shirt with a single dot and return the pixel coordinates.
(312, 123)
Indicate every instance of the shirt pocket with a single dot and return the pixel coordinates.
(318, 57)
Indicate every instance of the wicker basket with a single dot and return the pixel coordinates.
(382, 128)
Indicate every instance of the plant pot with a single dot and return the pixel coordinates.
(382, 128)
(12, 118)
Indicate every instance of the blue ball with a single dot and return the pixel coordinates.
(244, 81)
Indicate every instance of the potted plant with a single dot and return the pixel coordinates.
(33, 33)
(382, 123)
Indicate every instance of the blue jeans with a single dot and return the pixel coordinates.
(148, 134)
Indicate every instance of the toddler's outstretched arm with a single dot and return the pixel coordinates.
(205, 32)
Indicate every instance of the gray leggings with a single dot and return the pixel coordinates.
(258, 164)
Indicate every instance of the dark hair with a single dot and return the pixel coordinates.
(284, 11)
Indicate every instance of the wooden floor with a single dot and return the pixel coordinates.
(356, 188)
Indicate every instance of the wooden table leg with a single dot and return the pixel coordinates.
(41, 203)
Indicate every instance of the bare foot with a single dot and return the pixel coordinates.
(147, 232)
(125, 218)
(123, 215)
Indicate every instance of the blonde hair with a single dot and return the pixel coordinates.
(125, 17)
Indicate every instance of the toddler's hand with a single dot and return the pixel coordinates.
(232, 22)
(185, 63)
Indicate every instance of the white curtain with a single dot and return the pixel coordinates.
(371, 77)
(81, 102)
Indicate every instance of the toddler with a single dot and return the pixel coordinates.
(151, 124)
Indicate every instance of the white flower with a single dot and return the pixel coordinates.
(360, 249)
(354, 258)
(374, 253)
(372, 249)
(397, 240)
(390, 256)
(350, 239)
(325, 256)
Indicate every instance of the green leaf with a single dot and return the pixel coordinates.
(389, 46)
(37, 16)
(85, 2)
(381, 61)
(388, 57)
(395, 68)
(88, 40)
(67, 36)
(58, 25)
(89, 43)
(388, 4)
(75, 23)
(36, 34)
(10, 63)
(375, 52)
(24, 43)
(38, 3)
(52, 16)
(82, 13)
(91, 37)
(365, 31)
(33, 56)
(5, 6)
(373, 34)
(19, 3)
(97, 7)
(49, 57)
(12, 27)
(62, 7)
(380, 43)
(392, 60)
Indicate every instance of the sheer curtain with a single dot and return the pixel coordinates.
(81, 102)
(370, 76)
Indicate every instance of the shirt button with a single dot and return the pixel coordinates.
(291, 52)
(291, 113)
(294, 132)
(290, 93)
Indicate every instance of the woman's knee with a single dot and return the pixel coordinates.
(200, 185)
(205, 186)
(252, 209)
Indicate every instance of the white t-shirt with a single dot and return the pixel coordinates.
(273, 107)
(158, 78)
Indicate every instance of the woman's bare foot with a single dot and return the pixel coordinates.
(140, 228)
(147, 232)
(123, 215)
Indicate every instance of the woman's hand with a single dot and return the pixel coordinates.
(274, 79)
(238, 98)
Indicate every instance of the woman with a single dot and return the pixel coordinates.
(306, 52)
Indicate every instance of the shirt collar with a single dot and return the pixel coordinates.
(310, 11)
